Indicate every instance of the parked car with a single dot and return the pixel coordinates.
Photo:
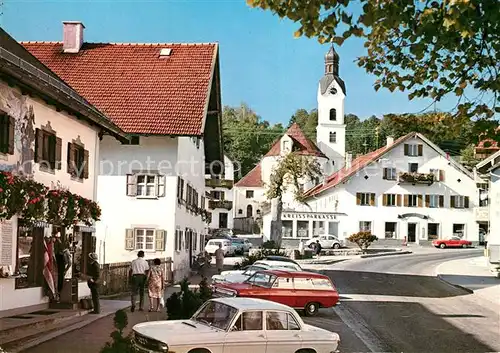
(241, 245)
(213, 244)
(453, 242)
(280, 258)
(239, 276)
(235, 325)
(300, 290)
(327, 241)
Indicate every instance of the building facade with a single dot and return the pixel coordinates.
(151, 188)
(220, 197)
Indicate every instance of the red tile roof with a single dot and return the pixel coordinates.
(253, 179)
(141, 92)
(301, 144)
(357, 164)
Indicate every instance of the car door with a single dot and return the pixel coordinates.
(454, 241)
(283, 292)
(323, 240)
(282, 332)
(247, 335)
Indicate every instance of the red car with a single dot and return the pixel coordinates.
(454, 242)
(300, 290)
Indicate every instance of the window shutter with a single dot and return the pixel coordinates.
(441, 201)
(385, 174)
(222, 195)
(129, 239)
(384, 200)
(69, 159)
(38, 145)
(406, 202)
(372, 199)
(161, 186)
(452, 201)
(420, 150)
(398, 199)
(160, 240)
(12, 134)
(441, 175)
(93, 245)
(358, 198)
(131, 185)
(427, 200)
(58, 152)
(419, 200)
(466, 202)
(406, 149)
(85, 164)
(179, 196)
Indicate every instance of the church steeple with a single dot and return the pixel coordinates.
(332, 62)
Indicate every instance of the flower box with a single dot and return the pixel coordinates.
(416, 178)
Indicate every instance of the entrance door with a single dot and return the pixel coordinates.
(412, 232)
(223, 220)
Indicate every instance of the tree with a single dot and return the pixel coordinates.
(468, 156)
(288, 175)
(308, 121)
(362, 239)
(428, 49)
(183, 304)
(121, 343)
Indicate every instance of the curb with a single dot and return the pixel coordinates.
(387, 254)
(468, 290)
(319, 262)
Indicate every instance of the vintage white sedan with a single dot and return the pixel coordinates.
(239, 276)
(235, 325)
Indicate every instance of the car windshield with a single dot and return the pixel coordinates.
(252, 269)
(215, 314)
(216, 243)
(261, 279)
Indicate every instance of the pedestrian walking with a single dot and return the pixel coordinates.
(137, 278)
(318, 249)
(156, 285)
(219, 259)
(93, 276)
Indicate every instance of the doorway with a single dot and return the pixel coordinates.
(433, 231)
(249, 211)
(390, 230)
(412, 232)
(223, 220)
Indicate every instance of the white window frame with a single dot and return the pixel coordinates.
(145, 185)
(391, 174)
(391, 197)
(366, 196)
(178, 240)
(143, 232)
(332, 137)
(412, 150)
(410, 204)
(459, 201)
(363, 224)
(433, 201)
(436, 173)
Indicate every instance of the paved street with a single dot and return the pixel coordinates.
(391, 304)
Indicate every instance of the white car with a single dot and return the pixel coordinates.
(236, 325)
(327, 241)
(239, 276)
(213, 244)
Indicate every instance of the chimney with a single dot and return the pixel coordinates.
(348, 160)
(72, 36)
(390, 140)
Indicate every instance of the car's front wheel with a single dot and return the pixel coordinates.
(199, 350)
(464, 246)
(442, 245)
(336, 246)
(311, 309)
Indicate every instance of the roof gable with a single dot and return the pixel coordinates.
(253, 179)
(301, 144)
(490, 160)
(140, 91)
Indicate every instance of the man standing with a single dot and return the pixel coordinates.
(137, 279)
(93, 274)
(219, 258)
(318, 249)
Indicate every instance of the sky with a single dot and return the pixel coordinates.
(262, 64)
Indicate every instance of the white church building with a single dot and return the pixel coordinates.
(407, 189)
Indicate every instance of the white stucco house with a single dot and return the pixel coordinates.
(167, 97)
(50, 134)
(220, 197)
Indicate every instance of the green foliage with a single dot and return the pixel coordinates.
(307, 122)
(259, 255)
(270, 244)
(362, 239)
(428, 49)
(182, 305)
(468, 156)
(121, 343)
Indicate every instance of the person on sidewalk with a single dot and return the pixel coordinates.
(156, 285)
(93, 274)
(318, 249)
(137, 278)
(219, 259)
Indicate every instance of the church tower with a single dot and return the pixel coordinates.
(330, 132)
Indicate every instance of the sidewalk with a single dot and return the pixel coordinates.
(473, 275)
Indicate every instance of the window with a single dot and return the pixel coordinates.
(333, 114)
(249, 194)
(146, 185)
(413, 167)
(438, 174)
(145, 239)
(187, 234)
(178, 240)
(434, 201)
(333, 137)
(390, 199)
(217, 195)
(365, 226)
(303, 229)
(283, 283)
(48, 149)
(458, 230)
(286, 146)
(240, 211)
(389, 174)
(390, 230)
(7, 132)
(249, 211)
(457, 201)
(78, 161)
(365, 199)
(413, 150)
(433, 231)
(180, 188)
(412, 200)
(249, 321)
(194, 241)
(322, 283)
(303, 283)
(278, 321)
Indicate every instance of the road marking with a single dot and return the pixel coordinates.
(360, 328)
(346, 297)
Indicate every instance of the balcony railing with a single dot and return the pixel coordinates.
(219, 183)
(482, 213)
(213, 204)
(416, 178)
